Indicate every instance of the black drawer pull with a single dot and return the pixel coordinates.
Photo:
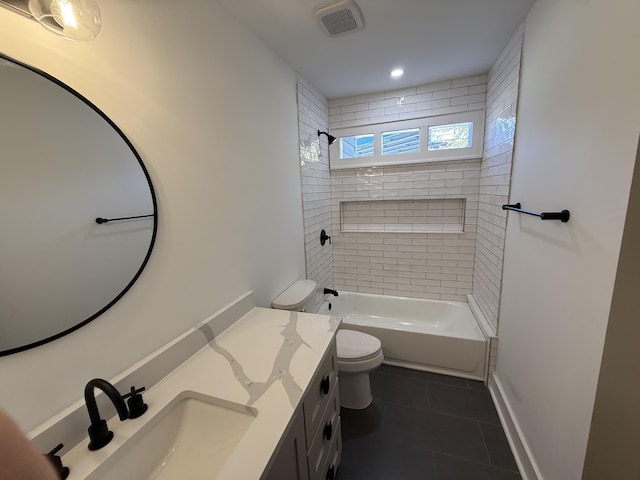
(328, 431)
(331, 472)
(324, 385)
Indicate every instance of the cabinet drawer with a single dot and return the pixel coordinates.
(319, 392)
(330, 469)
(325, 436)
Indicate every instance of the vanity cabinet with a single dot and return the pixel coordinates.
(324, 450)
(312, 447)
(290, 462)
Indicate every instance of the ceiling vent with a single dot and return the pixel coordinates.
(340, 18)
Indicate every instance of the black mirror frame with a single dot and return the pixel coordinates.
(153, 199)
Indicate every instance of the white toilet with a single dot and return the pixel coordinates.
(358, 353)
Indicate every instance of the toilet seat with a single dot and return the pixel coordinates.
(358, 352)
(358, 359)
(356, 346)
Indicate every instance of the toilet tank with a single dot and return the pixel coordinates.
(294, 297)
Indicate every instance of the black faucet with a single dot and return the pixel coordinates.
(99, 434)
(332, 292)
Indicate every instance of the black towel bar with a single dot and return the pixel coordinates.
(563, 216)
(101, 220)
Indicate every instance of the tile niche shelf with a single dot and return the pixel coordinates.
(441, 215)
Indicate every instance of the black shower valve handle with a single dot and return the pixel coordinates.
(324, 237)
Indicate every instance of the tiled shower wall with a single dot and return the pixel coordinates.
(428, 265)
(423, 265)
(313, 115)
(495, 175)
(408, 216)
(451, 96)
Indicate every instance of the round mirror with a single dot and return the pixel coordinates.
(64, 165)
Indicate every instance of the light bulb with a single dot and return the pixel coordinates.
(64, 14)
(73, 19)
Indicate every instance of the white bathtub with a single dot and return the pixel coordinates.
(432, 335)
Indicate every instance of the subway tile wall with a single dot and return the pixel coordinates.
(451, 96)
(495, 176)
(423, 265)
(316, 184)
(407, 216)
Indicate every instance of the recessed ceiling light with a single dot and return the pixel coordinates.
(397, 72)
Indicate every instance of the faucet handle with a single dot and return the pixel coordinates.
(324, 237)
(56, 461)
(135, 402)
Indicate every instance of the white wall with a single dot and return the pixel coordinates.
(577, 132)
(200, 98)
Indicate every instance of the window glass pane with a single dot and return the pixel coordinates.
(356, 146)
(445, 137)
(401, 141)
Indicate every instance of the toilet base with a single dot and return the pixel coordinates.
(355, 390)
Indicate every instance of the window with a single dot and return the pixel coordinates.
(401, 141)
(455, 136)
(447, 137)
(356, 146)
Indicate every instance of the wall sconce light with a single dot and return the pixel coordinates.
(331, 138)
(72, 19)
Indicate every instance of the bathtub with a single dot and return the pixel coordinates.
(432, 335)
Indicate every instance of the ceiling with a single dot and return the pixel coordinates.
(432, 40)
(18, 6)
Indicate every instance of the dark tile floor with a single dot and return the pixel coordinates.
(425, 426)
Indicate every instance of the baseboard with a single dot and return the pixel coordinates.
(521, 450)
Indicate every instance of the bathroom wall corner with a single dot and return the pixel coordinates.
(313, 115)
(495, 176)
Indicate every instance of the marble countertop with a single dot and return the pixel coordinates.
(265, 360)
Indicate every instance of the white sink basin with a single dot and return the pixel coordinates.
(191, 438)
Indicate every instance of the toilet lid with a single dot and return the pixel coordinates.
(352, 344)
(295, 296)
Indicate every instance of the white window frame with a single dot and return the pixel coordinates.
(476, 117)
